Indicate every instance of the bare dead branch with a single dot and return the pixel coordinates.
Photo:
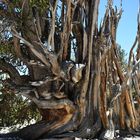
(31, 47)
(51, 34)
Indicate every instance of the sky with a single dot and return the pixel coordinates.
(127, 27)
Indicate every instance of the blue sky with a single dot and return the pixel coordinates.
(128, 24)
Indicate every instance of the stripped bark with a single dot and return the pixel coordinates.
(75, 76)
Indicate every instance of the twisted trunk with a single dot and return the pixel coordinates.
(80, 97)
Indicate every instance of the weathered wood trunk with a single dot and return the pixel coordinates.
(75, 79)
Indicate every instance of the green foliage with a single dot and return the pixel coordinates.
(40, 4)
(15, 109)
(6, 49)
(122, 56)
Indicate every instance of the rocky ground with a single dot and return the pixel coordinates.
(108, 135)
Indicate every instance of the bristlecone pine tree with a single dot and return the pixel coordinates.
(73, 70)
